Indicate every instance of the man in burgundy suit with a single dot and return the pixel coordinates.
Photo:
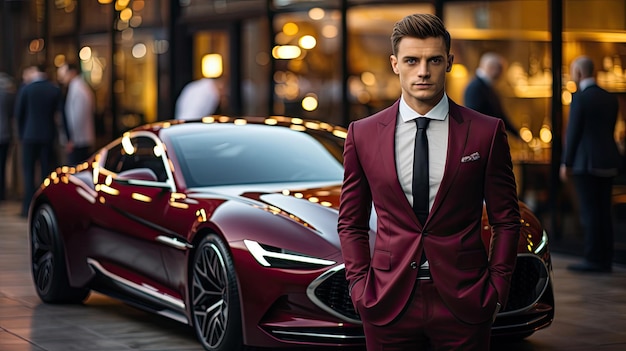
(428, 283)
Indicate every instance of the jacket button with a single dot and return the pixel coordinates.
(424, 233)
(414, 265)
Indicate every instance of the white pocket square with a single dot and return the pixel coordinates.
(473, 157)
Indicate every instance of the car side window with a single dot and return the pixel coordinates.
(141, 152)
(114, 158)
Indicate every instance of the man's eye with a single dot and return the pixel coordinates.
(411, 61)
(436, 60)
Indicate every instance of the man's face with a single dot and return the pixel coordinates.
(421, 65)
(28, 74)
(62, 74)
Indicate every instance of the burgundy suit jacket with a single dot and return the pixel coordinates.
(469, 278)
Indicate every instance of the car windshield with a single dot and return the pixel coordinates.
(251, 154)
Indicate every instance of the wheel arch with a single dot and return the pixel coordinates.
(62, 291)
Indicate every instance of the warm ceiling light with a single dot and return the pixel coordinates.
(566, 97)
(59, 60)
(526, 134)
(330, 31)
(85, 53)
(316, 13)
(36, 45)
(368, 78)
(212, 66)
(126, 14)
(139, 50)
(309, 103)
(121, 4)
(290, 28)
(307, 42)
(545, 134)
(286, 52)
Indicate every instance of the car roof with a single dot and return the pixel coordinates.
(300, 124)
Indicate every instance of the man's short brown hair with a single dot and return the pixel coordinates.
(419, 26)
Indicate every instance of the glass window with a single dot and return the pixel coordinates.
(253, 154)
(255, 68)
(32, 47)
(96, 16)
(142, 156)
(299, 4)
(135, 85)
(307, 64)
(211, 60)
(62, 19)
(519, 31)
(597, 31)
(149, 12)
(114, 158)
(94, 55)
(199, 9)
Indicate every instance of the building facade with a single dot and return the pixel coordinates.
(322, 59)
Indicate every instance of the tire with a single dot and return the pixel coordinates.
(215, 297)
(48, 264)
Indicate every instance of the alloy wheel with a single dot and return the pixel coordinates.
(215, 297)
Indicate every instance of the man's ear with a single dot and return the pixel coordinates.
(450, 61)
(394, 64)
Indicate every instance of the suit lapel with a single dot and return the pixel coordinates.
(457, 139)
(387, 133)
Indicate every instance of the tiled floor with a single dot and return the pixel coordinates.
(590, 314)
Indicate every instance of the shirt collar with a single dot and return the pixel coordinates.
(439, 112)
(586, 83)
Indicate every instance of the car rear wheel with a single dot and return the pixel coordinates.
(48, 260)
(215, 297)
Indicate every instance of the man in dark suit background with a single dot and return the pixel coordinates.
(480, 94)
(592, 158)
(428, 282)
(36, 106)
(7, 101)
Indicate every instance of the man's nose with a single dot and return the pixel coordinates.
(422, 69)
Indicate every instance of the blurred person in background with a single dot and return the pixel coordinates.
(480, 94)
(36, 106)
(7, 102)
(198, 99)
(78, 114)
(592, 159)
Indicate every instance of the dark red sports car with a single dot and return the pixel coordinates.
(229, 225)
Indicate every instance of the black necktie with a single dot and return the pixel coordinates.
(421, 198)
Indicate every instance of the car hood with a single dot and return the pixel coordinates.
(312, 204)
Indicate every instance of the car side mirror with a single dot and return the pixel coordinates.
(141, 177)
(141, 174)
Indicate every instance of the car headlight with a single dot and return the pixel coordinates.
(270, 256)
(540, 249)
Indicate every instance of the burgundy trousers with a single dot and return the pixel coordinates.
(427, 324)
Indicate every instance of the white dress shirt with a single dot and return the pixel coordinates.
(586, 83)
(437, 134)
(79, 113)
(198, 99)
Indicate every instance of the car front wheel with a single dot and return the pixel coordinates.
(48, 260)
(215, 297)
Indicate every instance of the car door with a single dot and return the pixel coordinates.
(131, 215)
